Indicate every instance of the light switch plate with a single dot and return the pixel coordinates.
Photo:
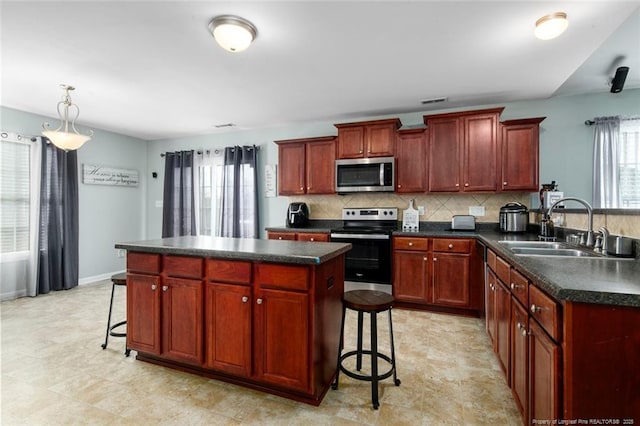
(476, 211)
(159, 204)
(421, 210)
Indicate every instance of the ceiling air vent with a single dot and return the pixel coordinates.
(220, 126)
(433, 101)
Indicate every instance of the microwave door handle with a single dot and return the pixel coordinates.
(381, 174)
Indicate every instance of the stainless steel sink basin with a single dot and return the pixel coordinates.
(555, 252)
(535, 244)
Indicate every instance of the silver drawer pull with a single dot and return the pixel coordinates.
(165, 288)
(259, 301)
(515, 286)
(153, 287)
(450, 246)
(245, 299)
(535, 309)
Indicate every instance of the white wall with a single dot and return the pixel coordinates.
(565, 146)
(108, 214)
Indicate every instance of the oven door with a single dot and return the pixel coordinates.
(369, 260)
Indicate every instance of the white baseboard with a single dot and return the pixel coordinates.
(96, 278)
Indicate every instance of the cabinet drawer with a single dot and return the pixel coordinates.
(491, 260)
(519, 287)
(183, 266)
(502, 270)
(546, 311)
(282, 276)
(451, 245)
(231, 271)
(313, 236)
(143, 262)
(282, 235)
(410, 243)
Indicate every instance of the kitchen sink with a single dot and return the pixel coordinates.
(555, 252)
(535, 244)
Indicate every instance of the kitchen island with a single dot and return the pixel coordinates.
(258, 313)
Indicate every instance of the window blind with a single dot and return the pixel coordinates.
(14, 196)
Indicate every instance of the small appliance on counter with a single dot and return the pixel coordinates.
(297, 215)
(549, 194)
(514, 217)
(462, 222)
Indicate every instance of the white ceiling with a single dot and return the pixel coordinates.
(150, 69)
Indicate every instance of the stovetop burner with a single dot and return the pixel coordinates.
(369, 220)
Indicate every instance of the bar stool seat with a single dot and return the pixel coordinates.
(371, 302)
(116, 280)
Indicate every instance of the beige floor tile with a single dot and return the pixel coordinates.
(55, 372)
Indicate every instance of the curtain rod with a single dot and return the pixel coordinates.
(592, 122)
(6, 135)
(208, 151)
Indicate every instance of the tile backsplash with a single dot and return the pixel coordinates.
(438, 208)
(627, 225)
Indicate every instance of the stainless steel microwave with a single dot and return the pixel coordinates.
(365, 175)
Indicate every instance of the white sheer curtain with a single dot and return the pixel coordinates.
(34, 216)
(209, 166)
(629, 162)
(606, 193)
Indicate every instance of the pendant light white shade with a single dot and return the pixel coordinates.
(232, 33)
(551, 26)
(66, 136)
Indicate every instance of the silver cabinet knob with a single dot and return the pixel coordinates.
(245, 299)
(279, 238)
(504, 183)
(450, 246)
(165, 288)
(424, 258)
(311, 239)
(153, 287)
(466, 184)
(302, 188)
(457, 185)
(535, 309)
(259, 301)
(410, 244)
(435, 259)
(399, 186)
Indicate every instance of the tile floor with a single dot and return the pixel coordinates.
(55, 372)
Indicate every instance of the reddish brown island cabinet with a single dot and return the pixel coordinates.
(257, 313)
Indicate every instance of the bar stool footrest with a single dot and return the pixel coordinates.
(363, 377)
(115, 333)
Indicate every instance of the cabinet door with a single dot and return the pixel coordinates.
(320, 165)
(503, 327)
(544, 375)
(411, 276)
(411, 162)
(143, 313)
(490, 300)
(281, 235)
(351, 142)
(444, 155)
(281, 328)
(480, 152)
(380, 140)
(519, 356)
(182, 320)
(451, 279)
(228, 328)
(520, 157)
(291, 168)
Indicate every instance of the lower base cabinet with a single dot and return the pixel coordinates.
(273, 327)
(544, 368)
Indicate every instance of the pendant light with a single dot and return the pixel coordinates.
(233, 34)
(551, 26)
(62, 137)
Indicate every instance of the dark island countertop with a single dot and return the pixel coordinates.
(607, 281)
(294, 252)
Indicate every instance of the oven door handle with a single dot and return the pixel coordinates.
(362, 236)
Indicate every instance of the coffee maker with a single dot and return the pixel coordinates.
(297, 215)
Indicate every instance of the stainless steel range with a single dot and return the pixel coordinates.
(368, 264)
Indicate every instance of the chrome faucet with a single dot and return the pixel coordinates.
(590, 240)
(605, 236)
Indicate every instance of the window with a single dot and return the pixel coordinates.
(209, 195)
(629, 163)
(14, 196)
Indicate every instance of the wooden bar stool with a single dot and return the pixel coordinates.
(372, 302)
(116, 280)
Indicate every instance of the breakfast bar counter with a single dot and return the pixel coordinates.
(257, 313)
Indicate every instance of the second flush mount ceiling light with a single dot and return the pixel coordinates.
(232, 33)
(551, 26)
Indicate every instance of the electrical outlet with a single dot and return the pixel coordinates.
(476, 211)
(121, 253)
(421, 210)
(159, 204)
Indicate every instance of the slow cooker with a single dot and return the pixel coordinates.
(514, 217)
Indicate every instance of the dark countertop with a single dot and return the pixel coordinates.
(608, 281)
(295, 252)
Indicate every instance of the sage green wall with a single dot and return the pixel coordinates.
(108, 214)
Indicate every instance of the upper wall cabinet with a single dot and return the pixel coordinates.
(463, 151)
(411, 161)
(520, 154)
(367, 139)
(306, 166)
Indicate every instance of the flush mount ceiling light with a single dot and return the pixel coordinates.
(551, 26)
(232, 33)
(61, 136)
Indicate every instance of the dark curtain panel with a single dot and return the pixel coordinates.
(240, 193)
(58, 269)
(178, 212)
